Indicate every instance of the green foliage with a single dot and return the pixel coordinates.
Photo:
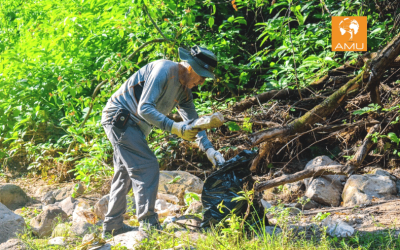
(191, 197)
(53, 54)
(373, 107)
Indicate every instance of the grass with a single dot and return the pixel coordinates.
(232, 233)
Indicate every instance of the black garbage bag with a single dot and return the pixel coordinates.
(224, 185)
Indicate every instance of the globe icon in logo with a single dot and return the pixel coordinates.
(349, 26)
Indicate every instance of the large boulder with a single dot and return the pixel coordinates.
(361, 189)
(327, 189)
(174, 182)
(44, 223)
(12, 196)
(10, 224)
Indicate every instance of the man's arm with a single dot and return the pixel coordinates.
(152, 91)
(187, 111)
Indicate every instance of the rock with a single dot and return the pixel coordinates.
(68, 205)
(44, 223)
(12, 196)
(169, 219)
(129, 240)
(48, 198)
(81, 228)
(168, 197)
(273, 230)
(57, 241)
(61, 230)
(266, 204)
(323, 161)
(293, 188)
(185, 182)
(10, 224)
(304, 205)
(325, 191)
(79, 189)
(162, 205)
(361, 189)
(194, 208)
(83, 213)
(13, 244)
(398, 186)
(337, 228)
(190, 221)
(101, 207)
(379, 171)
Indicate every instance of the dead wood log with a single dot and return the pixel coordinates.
(373, 73)
(348, 169)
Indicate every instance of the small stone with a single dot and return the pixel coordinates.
(265, 204)
(293, 188)
(57, 241)
(168, 197)
(10, 224)
(48, 198)
(170, 183)
(101, 207)
(61, 230)
(273, 230)
(79, 189)
(13, 244)
(194, 208)
(43, 224)
(337, 228)
(161, 205)
(12, 196)
(83, 213)
(81, 228)
(304, 205)
(68, 205)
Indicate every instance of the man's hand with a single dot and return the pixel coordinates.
(185, 130)
(215, 157)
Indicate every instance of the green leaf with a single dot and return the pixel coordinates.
(233, 126)
(80, 139)
(393, 137)
(175, 180)
(211, 21)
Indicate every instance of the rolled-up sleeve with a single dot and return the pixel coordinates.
(187, 111)
(152, 91)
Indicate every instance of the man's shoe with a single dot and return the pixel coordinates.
(109, 234)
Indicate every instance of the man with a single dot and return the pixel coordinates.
(141, 102)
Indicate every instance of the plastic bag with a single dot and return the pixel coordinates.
(224, 185)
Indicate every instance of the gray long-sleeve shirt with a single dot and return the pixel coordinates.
(161, 93)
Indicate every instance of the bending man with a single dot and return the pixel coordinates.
(142, 102)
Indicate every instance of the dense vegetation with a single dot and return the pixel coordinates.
(53, 55)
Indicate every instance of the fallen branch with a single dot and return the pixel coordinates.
(347, 169)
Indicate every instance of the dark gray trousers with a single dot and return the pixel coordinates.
(135, 166)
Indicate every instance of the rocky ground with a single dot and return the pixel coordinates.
(70, 215)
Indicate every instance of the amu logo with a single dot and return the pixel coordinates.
(349, 33)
